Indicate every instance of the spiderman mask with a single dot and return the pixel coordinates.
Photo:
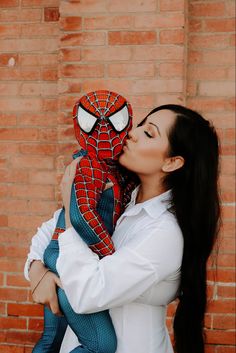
(102, 120)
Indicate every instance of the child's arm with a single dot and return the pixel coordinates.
(89, 183)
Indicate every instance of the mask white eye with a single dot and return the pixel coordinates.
(85, 120)
(120, 119)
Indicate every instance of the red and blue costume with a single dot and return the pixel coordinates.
(102, 120)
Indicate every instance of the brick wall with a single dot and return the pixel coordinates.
(211, 90)
(153, 52)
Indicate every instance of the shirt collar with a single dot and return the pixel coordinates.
(154, 206)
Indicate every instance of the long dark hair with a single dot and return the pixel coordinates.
(195, 202)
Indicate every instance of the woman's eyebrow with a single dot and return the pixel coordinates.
(156, 127)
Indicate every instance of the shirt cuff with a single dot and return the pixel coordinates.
(27, 266)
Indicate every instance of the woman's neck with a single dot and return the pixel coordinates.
(149, 189)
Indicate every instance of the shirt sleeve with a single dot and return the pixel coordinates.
(40, 241)
(93, 285)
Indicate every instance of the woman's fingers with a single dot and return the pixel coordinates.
(69, 173)
(58, 282)
(46, 293)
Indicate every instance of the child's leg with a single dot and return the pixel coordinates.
(94, 331)
(53, 333)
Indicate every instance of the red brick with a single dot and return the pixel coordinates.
(215, 56)
(116, 85)
(122, 38)
(85, 70)
(3, 221)
(159, 21)
(221, 25)
(226, 260)
(42, 177)
(4, 190)
(9, 3)
(207, 73)
(131, 70)
(50, 105)
(230, 7)
(42, 207)
(24, 309)
(228, 165)
(18, 337)
(207, 41)
(219, 337)
(144, 53)
(32, 162)
(42, 149)
(171, 70)
(51, 14)
(146, 101)
(109, 22)
(227, 291)
(37, 89)
(71, 23)
(39, 30)
(222, 306)
(69, 87)
(132, 5)
(14, 206)
(30, 222)
(195, 25)
(6, 58)
(36, 324)
(47, 135)
(8, 89)
(217, 88)
(19, 74)
(70, 55)
(39, 3)
(8, 294)
(158, 86)
(35, 15)
(226, 349)
(195, 57)
(172, 36)
(8, 119)
(83, 6)
(12, 323)
(28, 59)
(4, 348)
(106, 54)
(28, 45)
(172, 5)
(13, 134)
(37, 119)
(206, 10)
(19, 252)
(45, 192)
(224, 276)
(224, 322)
(84, 38)
(210, 348)
(10, 31)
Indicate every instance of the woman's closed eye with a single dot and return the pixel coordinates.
(148, 134)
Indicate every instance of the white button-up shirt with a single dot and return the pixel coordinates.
(135, 283)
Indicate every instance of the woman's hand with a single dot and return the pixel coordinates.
(44, 286)
(66, 184)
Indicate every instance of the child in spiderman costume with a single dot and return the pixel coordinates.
(102, 120)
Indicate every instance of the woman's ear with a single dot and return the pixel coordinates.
(172, 163)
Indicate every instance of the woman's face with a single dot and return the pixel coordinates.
(147, 147)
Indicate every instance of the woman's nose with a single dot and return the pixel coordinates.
(132, 135)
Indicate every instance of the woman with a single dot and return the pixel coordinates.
(162, 240)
